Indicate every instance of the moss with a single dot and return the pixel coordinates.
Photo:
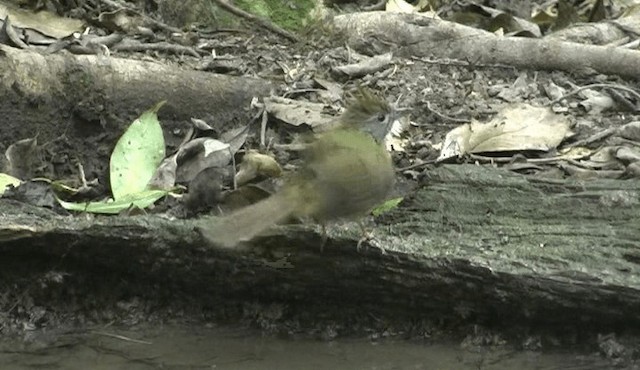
(287, 14)
(258, 8)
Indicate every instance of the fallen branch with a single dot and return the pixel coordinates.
(422, 36)
(224, 4)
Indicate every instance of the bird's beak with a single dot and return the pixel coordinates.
(402, 111)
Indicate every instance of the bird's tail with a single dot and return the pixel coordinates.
(248, 222)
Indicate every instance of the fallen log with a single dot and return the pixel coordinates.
(90, 100)
(474, 245)
(415, 35)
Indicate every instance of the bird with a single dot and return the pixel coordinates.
(346, 172)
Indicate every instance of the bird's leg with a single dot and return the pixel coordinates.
(367, 236)
(324, 236)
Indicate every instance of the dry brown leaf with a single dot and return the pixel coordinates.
(199, 154)
(627, 155)
(596, 102)
(165, 176)
(399, 6)
(575, 152)
(255, 164)
(22, 158)
(296, 112)
(517, 128)
(366, 66)
(44, 22)
(631, 131)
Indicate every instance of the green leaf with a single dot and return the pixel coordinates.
(137, 154)
(386, 206)
(142, 199)
(6, 180)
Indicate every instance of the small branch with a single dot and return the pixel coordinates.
(224, 4)
(602, 85)
(377, 6)
(133, 45)
(118, 5)
(445, 117)
(121, 337)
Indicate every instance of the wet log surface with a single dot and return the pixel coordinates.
(473, 245)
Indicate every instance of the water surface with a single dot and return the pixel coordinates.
(180, 347)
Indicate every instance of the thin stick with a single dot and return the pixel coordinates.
(121, 337)
(224, 4)
(609, 86)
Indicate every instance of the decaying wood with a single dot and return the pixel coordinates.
(474, 243)
(423, 36)
(61, 88)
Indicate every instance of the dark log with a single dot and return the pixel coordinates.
(474, 245)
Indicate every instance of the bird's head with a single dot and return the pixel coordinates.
(371, 113)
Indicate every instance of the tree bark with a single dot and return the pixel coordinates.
(78, 106)
(416, 35)
(93, 97)
(476, 244)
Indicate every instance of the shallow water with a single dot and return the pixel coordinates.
(180, 347)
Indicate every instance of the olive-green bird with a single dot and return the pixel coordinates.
(347, 171)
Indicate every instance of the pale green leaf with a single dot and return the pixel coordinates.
(142, 199)
(137, 154)
(6, 180)
(386, 206)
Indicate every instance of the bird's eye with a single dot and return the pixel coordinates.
(381, 117)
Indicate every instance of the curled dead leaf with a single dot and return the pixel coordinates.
(256, 164)
(631, 131)
(22, 158)
(518, 127)
(296, 113)
(199, 154)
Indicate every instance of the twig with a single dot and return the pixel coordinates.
(164, 26)
(224, 4)
(595, 137)
(459, 120)
(548, 160)
(132, 45)
(377, 6)
(582, 88)
(300, 91)
(460, 63)
(417, 165)
(121, 337)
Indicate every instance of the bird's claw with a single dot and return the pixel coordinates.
(368, 237)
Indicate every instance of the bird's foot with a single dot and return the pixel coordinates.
(368, 237)
(363, 239)
(324, 237)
